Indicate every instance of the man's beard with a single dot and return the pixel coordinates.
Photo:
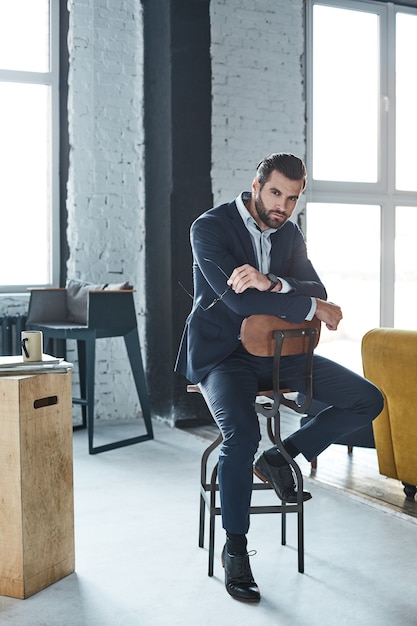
(269, 220)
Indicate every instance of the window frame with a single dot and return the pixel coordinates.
(51, 79)
(383, 192)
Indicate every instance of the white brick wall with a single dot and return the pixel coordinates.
(105, 188)
(258, 87)
(258, 107)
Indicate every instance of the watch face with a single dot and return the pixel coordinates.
(272, 277)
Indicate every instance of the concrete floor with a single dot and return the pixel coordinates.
(138, 562)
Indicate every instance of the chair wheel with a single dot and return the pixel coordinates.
(410, 491)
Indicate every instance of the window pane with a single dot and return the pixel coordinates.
(406, 88)
(24, 35)
(345, 95)
(24, 183)
(344, 246)
(405, 267)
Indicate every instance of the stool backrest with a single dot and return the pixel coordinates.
(256, 334)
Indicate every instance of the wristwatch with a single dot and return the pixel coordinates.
(274, 281)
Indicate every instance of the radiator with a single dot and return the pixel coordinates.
(11, 326)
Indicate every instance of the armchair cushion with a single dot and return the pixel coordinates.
(77, 298)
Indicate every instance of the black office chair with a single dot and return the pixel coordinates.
(87, 312)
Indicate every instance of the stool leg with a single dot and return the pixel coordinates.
(131, 339)
(283, 527)
(204, 486)
(211, 544)
(300, 517)
(133, 350)
(82, 372)
(300, 488)
(201, 522)
(212, 527)
(90, 363)
(300, 514)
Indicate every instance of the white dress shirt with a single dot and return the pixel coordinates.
(261, 240)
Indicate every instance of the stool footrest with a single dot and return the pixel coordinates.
(81, 401)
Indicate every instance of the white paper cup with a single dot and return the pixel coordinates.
(32, 345)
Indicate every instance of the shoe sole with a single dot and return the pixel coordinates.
(254, 601)
(265, 480)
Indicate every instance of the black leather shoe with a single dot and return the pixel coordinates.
(238, 577)
(280, 478)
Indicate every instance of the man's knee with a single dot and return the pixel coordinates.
(244, 442)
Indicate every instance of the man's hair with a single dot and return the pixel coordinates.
(288, 164)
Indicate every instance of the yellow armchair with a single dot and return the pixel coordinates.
(389, 358)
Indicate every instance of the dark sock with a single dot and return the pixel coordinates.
(274, 457)
(236, 544)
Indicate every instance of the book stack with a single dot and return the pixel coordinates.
(16, 366)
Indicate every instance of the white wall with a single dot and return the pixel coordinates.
(258, 87)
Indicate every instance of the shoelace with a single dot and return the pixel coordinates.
(245, 573)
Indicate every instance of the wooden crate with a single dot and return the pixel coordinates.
(36, 483)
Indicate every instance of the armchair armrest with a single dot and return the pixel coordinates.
(47, 305)
(111, 309)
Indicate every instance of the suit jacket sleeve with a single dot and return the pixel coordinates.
(220, 244)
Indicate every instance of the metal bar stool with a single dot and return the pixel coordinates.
(265, 335)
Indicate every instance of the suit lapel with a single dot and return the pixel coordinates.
(242, 232)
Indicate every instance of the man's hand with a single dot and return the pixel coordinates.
(248, 277)
(329, 313)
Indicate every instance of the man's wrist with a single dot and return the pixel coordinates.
(275, 283)
(277, 287)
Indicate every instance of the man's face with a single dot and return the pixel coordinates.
(275, 203)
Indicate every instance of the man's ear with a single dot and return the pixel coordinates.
(255, 185)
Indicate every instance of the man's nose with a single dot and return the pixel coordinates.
(281, 204)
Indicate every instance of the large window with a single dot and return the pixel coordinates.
(29, 194)
(362, 195)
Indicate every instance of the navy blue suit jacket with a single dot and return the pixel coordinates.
(219, 239)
